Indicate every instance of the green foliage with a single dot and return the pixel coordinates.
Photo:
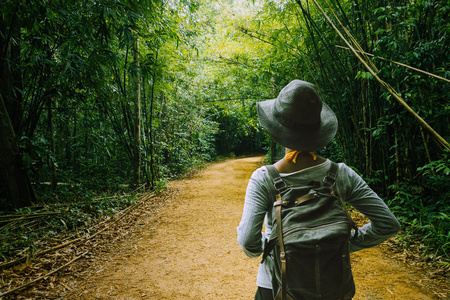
(424, 210)
(364, 75)
(77, 65)
(435, 173)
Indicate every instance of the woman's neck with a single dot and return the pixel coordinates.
(302, 161)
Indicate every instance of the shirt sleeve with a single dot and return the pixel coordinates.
(257, 199)
(383, 224)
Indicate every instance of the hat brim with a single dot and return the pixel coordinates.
(304, 138)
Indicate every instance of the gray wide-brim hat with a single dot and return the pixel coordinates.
(297, 118)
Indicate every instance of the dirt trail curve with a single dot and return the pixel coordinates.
(189, 250)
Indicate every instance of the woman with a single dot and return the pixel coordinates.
(302, 123)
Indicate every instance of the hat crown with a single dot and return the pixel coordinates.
(298, 104)
(297, 118)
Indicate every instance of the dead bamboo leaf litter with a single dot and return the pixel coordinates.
(28, 271)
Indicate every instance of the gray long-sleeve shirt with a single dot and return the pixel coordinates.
(350, 186)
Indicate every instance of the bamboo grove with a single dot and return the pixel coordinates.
(98, 94)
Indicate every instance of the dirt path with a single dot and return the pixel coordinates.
(189, 251)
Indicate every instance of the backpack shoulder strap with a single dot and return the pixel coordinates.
(329, 182)
(330, 179)
(278, 182)
(280, 186)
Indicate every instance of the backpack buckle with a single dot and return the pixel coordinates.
(328, 181)
(279, 201)
(279, 184)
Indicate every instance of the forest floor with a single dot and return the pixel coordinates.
(182, 245)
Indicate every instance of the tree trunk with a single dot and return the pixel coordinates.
(273, 145)
(137, 116)
(150, 126)
(15, 186)
(51, 136)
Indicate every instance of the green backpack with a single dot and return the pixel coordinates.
(309, 241)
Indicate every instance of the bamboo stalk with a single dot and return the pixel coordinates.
(397, 158)
(111, 197)
(400, 64)
(391, 90)
(42, 277)
(426, 148)
(34, 216)
(26, 215)
(8, 225)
